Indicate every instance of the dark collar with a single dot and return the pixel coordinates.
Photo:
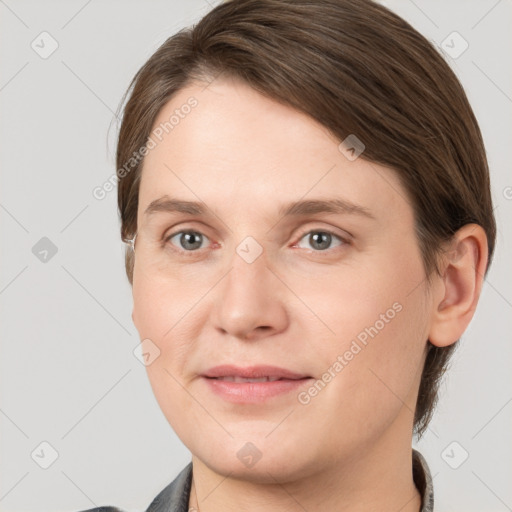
(175, 497)
(423, 481)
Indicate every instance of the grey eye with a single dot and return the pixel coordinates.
(188, 240)
(321, 240)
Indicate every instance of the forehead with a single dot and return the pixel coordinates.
(238, 149)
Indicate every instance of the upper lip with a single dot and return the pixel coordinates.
(252, 372)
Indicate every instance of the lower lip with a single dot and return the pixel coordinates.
(253, 392)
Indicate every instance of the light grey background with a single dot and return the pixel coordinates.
(68, 373)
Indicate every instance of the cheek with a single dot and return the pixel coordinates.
(149, 313)
(159, 302)
(168, 319)
(374, 379)
(379, 318)
(363, 301)
(381, 379)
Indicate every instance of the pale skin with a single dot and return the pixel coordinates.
(295, 306)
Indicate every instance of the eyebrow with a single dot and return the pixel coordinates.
(295, 208)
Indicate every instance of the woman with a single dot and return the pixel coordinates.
(305, 192)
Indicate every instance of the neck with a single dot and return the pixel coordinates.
(378, 478)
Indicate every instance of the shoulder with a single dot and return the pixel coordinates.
(173, 498)
(102, 509)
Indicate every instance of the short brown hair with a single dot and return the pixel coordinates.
(357, 68)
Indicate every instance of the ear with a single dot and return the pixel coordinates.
(463, 271)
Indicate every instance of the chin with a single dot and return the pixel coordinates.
(259, 460)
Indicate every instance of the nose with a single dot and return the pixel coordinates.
(251, 300)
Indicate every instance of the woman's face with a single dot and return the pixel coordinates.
(335, 297)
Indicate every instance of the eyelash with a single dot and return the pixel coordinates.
(197, 251)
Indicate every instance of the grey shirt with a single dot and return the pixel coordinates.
(175, 497)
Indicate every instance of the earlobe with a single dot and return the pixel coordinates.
(463, 271)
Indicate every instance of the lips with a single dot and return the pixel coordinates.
(253, 384)
(259, 373)
(236, 378)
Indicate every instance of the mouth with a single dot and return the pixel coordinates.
(236, 378)
(273, 373)
(255, 384)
